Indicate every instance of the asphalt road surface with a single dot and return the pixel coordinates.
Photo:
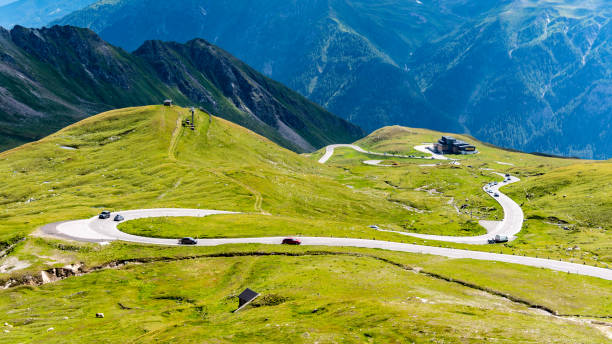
(428, 149)
(329, 151)
(97, 230)
(101, 231)
(509, 226)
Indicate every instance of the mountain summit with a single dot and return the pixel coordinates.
(52, 77)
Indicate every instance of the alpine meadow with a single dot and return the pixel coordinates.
(316, 171)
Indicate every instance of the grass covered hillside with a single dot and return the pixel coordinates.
(144, 158)
(311, 299)
(554, 193)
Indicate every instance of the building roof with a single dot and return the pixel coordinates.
(247, 295)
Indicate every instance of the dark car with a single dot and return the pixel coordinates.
(187, 241)
(104, 215)
(118, 218)
(291, 241)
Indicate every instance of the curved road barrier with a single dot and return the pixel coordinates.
(97, 230)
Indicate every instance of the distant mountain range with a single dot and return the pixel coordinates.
(37, 13)
(50, 78)
(531, 75)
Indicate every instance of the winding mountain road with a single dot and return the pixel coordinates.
(513, 214)
(427, 149)
(104, 231)
(329, 152)
(97, 230)
(509, 226)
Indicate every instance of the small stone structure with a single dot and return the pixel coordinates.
(168, 102)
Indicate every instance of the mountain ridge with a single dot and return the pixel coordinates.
(526, 75)
(55, 76)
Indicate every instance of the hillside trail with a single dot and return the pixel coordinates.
(178, 132)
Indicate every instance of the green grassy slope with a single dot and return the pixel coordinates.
(570, 208)
(310, 299)
(545, 181)
(143, 158)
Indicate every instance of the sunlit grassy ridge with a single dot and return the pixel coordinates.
(570, 207)
(143, 157)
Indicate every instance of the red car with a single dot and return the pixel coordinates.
(291, 241)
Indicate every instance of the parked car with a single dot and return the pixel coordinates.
(118, 218)
(187, 241)
(496, 194)
(291, 241)
(104, 215)
(508, 175)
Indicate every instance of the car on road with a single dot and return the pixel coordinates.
(508, 175)
(291, 241)
(373, 226)
(187, 241)
(118, 218)
(495, 183)
(496, 194)
(104, 215)
(498, 239)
